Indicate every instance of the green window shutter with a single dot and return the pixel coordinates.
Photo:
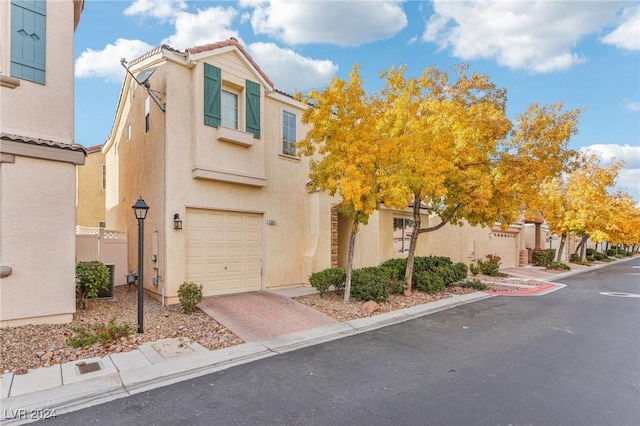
(253, 108)
(28, 40)
(212, 101)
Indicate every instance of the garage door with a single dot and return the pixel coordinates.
(505, 245)
(223, 251)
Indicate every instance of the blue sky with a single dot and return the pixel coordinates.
(583, 53)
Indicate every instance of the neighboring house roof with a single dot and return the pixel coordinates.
(42, 142)
(93, 149)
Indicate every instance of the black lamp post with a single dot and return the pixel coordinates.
(140, 208)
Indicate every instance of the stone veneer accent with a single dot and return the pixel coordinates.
(334, 237)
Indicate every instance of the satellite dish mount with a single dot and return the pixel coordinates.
(143, 80)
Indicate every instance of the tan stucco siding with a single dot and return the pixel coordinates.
(90, 206)
(37, 241)
(41, 110)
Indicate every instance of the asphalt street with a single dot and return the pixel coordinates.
(571, 357)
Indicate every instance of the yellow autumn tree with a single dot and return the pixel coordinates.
(345, 151)
(581, 202)
(443, 133)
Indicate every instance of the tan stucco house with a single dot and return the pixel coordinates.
(91, 188)
(38, 160)
(204, 137)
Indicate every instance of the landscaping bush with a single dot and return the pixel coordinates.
(474, 284)
(430, 263)
(601, 257)
(370, 283)
(460, 271)
(430, 281)
(91, 277)
(189, 294)
(559, 265)
(590, 252)
(488, 267)
(543, 257)
(326, 278)
(105, 334)
(575, 258)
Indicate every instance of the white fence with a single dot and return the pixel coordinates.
(107, 246)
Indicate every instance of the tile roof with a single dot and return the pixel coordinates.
(230, 42)
(42, 142)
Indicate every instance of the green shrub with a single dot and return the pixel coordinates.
(559, 265)
(429, 263)
(397, 266)
(474, 284)
(575, 258)
(601, 257)
(590, 252)
(105, 334)
(474, 269)
(370, 283)
(488, 267)
(544, 257)
(326, 278)
(91, 277)
(460, 272)
(429, 281)
(189, 294)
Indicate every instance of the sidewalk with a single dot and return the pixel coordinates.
(61, 388)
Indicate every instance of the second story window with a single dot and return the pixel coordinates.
(229, 109)
(288, 133)
(147, 114)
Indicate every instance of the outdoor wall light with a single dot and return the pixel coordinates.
(177, 222)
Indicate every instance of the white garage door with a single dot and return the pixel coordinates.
(505, 245)
(223, 251)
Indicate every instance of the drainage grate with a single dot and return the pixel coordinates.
(85, 367)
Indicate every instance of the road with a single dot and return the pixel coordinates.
(571, 357)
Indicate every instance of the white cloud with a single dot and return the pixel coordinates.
(206, 26)
(632, 106)
(627, 35)
(343, 23)
(538, 36)
(290, 71)
(105, 63)
(163, 10)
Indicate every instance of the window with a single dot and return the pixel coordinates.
(402, 231)
(104, 176)
(129, 131)
(147, 117)
(223, 107)
(288, 133)
(229, 111)
(28, 40)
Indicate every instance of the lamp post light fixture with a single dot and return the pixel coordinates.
(140, 208)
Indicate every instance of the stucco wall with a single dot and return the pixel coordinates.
(37, 241)
(41, 110)
(90, 210)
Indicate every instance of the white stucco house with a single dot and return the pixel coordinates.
(205, 138)
(38, 160)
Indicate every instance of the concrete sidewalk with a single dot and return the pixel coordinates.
(61, 388)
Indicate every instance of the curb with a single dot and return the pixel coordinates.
(96, 390)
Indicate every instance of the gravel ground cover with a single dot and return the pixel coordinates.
(33, 346)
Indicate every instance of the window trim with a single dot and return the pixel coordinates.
(404, 237)
(284, 111)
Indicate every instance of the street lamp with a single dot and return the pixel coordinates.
(140, 208)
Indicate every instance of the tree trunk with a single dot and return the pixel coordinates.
(563, 239)
(413, 243)
(581, 247)
(352, 245)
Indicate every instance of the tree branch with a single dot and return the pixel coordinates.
(441, 224)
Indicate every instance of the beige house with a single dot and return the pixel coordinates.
(38, 161)
(207, 141)
(91, 188)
